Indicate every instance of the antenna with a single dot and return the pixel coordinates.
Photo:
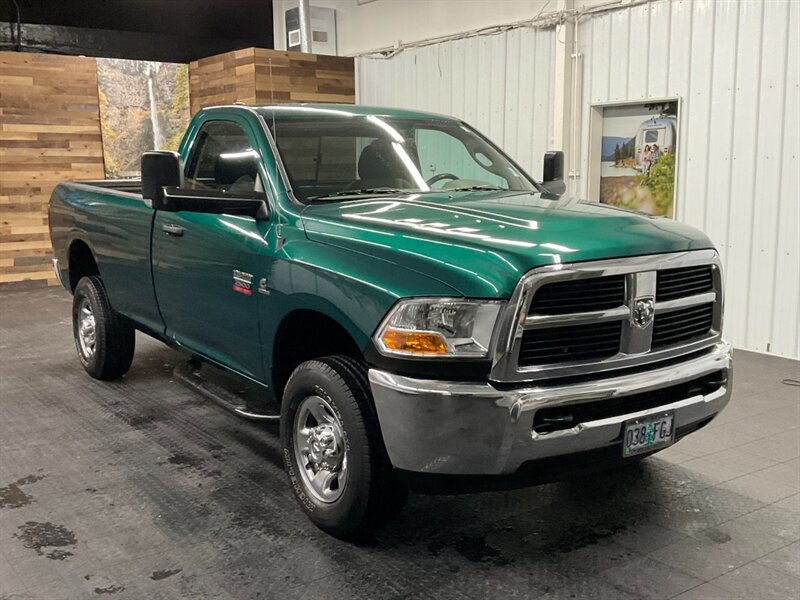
(272, 103)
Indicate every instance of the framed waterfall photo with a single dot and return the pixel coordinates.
(144, 105)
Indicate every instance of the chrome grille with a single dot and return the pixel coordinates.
(582, 318)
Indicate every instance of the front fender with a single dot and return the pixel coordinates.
(353, 289)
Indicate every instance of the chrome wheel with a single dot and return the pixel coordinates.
(319, 449)
(87, 334)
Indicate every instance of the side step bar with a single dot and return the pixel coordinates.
(188, 373)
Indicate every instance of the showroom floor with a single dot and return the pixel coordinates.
(139, 489)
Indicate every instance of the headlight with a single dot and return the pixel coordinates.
(439, 327)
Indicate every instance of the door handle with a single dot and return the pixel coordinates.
(175, 230)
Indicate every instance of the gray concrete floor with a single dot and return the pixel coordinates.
(139, 489)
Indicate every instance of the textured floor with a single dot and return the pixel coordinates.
(138, 489)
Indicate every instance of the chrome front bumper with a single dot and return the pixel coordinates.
(443, 427)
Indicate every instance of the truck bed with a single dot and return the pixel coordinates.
(131, 186)
(112, 220)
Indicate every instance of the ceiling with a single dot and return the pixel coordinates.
(172, 30)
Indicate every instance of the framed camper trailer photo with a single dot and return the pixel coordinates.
(632, 159)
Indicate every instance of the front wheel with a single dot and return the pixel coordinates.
(104, 339)
(333, 449)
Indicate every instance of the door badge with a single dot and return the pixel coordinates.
(242, 282)
(262, 286)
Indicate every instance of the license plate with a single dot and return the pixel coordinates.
(648, 434)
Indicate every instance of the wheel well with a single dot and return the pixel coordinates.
(304, 335)
(81, 263)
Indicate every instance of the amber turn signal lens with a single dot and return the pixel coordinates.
(420, 342)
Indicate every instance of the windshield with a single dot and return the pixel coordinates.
(331, 157)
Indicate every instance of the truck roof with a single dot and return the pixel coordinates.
(306, 110)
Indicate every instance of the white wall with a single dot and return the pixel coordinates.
(734, 64)
(736, 68)
(381, 23)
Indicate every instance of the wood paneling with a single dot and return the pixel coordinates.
(49, 132)
(261, 76)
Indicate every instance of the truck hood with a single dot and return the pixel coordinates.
(481, 243)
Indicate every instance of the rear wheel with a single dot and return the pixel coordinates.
(333, 449)
(104, 339)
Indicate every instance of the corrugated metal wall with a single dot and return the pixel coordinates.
(735, 66)
(500, 84)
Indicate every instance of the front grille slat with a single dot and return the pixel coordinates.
(684, 281)
(682, 315)
(681, 318)
(699, 324)
(559, 343)
(570, 339)
(684, 289)
(682, 325)
(612, 299)
(579, 295)
(690, 318)
(569, 343)
(684, 272)
(683, 284)
(673, 277)
(558, 350)
(559, 346)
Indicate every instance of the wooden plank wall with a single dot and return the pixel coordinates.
(49, 132)
(222, 79)
(261, 76)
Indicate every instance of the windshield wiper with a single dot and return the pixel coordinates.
(360, 192)
(476, 188)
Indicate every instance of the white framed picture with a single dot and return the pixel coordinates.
(633, 155)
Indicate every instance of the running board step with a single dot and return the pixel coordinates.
(188, 373)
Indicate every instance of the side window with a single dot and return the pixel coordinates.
(222, 159)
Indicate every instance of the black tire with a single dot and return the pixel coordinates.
(114, 336)
(372, 494)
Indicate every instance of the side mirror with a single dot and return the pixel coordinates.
(553, 172)
(160, 169)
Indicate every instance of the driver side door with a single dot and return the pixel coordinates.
(206, 267)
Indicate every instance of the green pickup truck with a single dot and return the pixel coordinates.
(420, 308)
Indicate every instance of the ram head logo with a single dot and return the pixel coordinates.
(642, 311)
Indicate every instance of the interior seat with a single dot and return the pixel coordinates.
(380, 166)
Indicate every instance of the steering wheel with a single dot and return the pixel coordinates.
(442, 177)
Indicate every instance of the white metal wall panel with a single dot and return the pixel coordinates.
(783, 302)
(734, 65)
(501, 84)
